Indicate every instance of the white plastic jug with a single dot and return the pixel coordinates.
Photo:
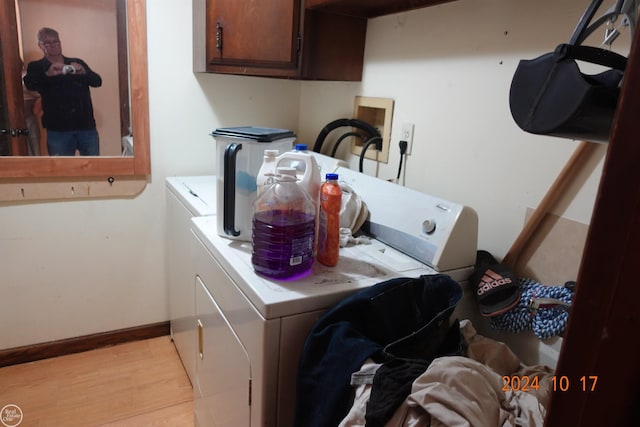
(267, 172)
(307, 169)
(284, 219)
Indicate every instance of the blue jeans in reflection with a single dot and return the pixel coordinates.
(86, 142)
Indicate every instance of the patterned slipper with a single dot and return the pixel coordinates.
(496, 286)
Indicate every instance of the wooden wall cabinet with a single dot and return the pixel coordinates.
(278, 38)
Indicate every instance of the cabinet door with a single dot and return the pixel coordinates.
(252, 33)
(222, 390)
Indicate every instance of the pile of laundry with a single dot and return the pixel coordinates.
(391, 356)
(488, 386)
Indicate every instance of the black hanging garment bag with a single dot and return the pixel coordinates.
(550, 95)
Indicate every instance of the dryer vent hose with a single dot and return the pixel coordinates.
(356, 123)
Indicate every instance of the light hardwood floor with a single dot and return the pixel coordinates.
(136, 384)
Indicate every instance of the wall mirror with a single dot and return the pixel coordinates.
(120, 104)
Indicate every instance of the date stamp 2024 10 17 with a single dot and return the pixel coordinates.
(561, 383)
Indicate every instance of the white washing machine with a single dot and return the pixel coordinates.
(251, 329)
(186, 197)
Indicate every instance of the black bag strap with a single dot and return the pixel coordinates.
(575, 50)
(586, 27)
(594, 55)
(622, 7)
(579, 33)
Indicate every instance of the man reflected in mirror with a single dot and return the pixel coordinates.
(64, 85)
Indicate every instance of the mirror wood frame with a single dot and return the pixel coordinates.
(27, 168)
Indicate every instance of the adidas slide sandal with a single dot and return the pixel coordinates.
(496, 286)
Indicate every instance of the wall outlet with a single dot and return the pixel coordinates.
(406, 134)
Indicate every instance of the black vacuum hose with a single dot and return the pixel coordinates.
(356, 123)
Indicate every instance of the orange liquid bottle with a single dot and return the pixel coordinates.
(329, 221)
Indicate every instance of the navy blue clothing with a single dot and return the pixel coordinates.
(401, 317)
(66, 99)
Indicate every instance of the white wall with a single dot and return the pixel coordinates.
(80, 267)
